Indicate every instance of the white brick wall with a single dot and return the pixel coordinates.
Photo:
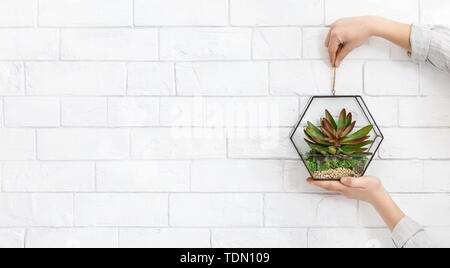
(165, 123)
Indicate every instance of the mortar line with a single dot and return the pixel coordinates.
(229, 13)
(158, 33)
(210, 238)
(263, 223)
(3, 113)
(95, 177)
(119, 230)
(133, 13)
(36, 151)
(307, 237)
(24, 80)
(38, 6)
(59, 34)
(25, 238)
(175, 80)
(168, 210)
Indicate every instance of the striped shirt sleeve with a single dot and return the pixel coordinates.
(409, 234)
(431, 44)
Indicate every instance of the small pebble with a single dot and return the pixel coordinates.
(335, 173)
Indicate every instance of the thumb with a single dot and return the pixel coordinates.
(354, 182)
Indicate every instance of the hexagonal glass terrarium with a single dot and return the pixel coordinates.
(336, 137)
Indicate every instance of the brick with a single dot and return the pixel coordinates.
(17, 144)
(314, 78)
(178, 143)
(222, 79)
(37, 210)
(48, 177)
(259, 238)
(32, 112)
(295, 210)
(294, 177)
(12, 238)
(190, 12)
(152, 78)
(185, 44)
(391, 78)
(424, 112)
(236, 176)
(384, 110)
(133, 111)
(128, 210)
(261, 143)
(75, 78)
(164, 238)
(252, 112)
(84, 111)
(28, 44)
(12, 80)
(314, 46)
(276, 12)
(277, 43)
(434, 82)
(72, 238)
(183, 111)
(18, 13)
(143, 176)
(350, 238)
(435, 12)
(215, 210)
(83, 144)
(82, 13)
(435, 177)
(406, 11)
(403, 143)
(105, 44)
(399, 176)
(417, 206)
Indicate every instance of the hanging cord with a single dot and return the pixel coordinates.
(334, 82)
(333, 90)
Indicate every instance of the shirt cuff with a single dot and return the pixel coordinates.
(404, 231)
(420, 43)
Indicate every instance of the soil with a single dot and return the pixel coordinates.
(335, 173)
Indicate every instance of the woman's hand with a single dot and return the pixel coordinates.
(367, 189)
(349, 33)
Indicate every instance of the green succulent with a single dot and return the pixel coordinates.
(336, 138)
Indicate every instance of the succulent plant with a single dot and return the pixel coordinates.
(336, 138)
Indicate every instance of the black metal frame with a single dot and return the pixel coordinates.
(357, 98)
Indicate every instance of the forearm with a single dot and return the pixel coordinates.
(396, 32)
(387, 209)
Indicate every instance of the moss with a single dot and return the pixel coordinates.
(312, 165)
(326, 165)
(320, 163)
